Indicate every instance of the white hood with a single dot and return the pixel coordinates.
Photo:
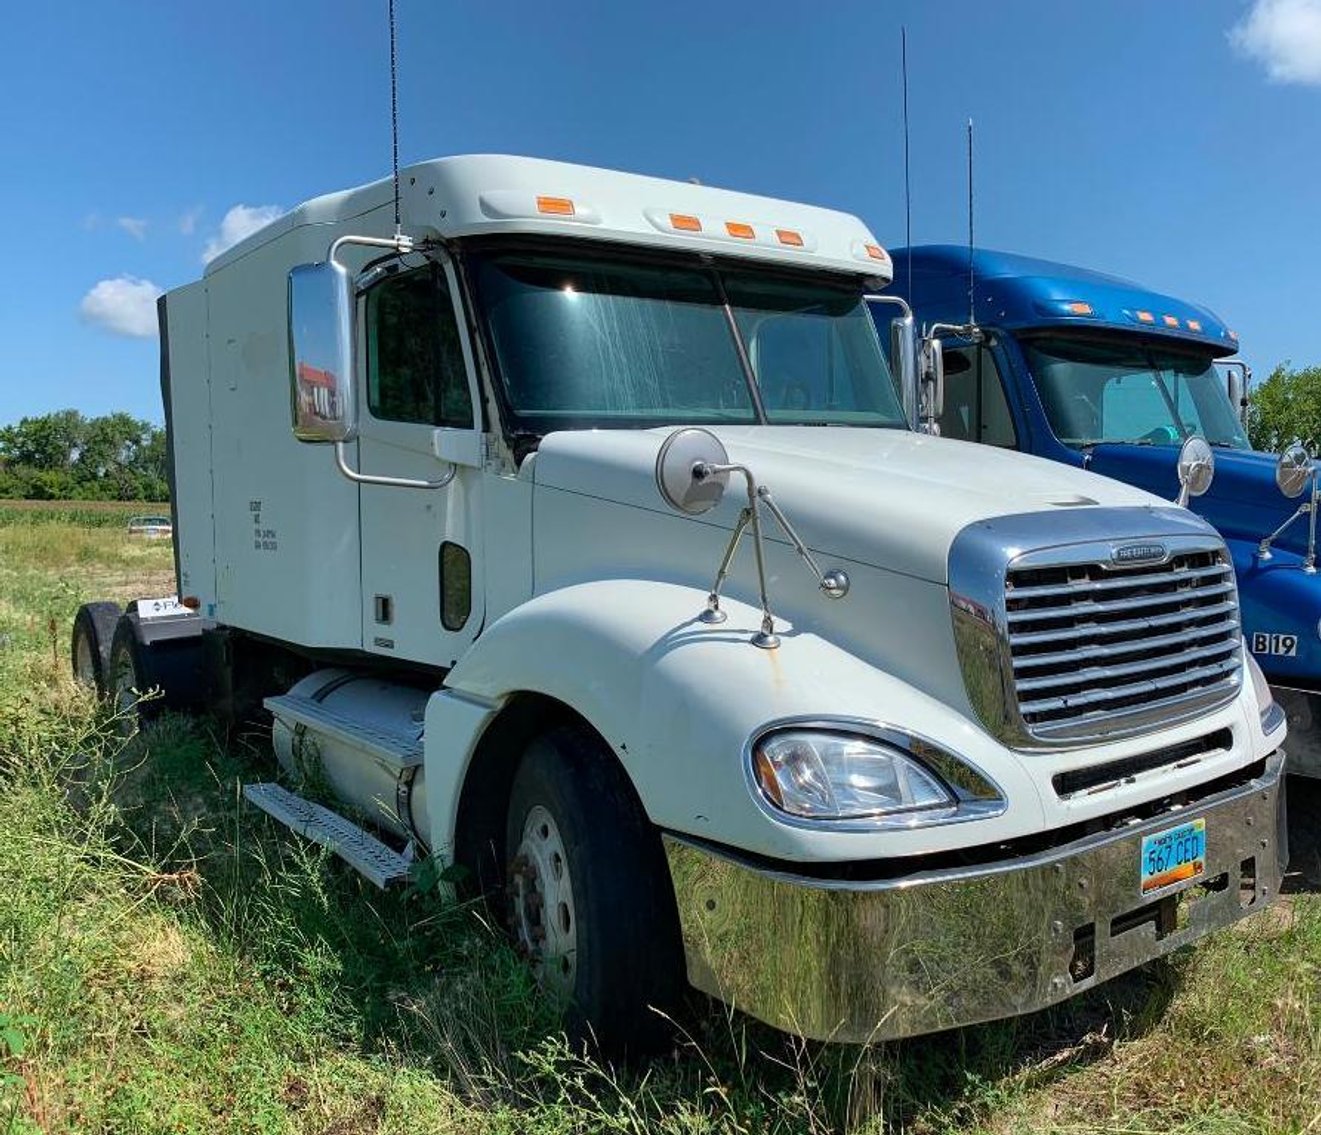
(888, 498)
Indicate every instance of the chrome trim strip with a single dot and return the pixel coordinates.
(861, 962)
(980, 797)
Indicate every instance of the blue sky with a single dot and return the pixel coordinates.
(1150, 140)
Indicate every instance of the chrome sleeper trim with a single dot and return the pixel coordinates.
(869, 961)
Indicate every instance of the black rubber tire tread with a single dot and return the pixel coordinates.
(630, 955)
(96, 622)
(144, 677)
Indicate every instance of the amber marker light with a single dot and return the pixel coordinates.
(1146, 317)
(766, 778)
(789, 237)
(740, 230)
(192, 602)
(555, 206)
(875, 251)
(1170, 320)
(1194, 325)
(1077, 307)
(685, 223)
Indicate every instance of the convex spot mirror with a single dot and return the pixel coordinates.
(1293, 470)
(679, 477)
(1196, 468)
(321, 352)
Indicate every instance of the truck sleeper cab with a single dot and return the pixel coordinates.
(1099, 372)
(601, 559)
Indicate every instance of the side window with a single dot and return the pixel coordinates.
(975, 405)
(415, 369)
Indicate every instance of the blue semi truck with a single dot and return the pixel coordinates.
(1097, 371)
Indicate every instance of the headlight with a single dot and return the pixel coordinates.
(835, 776)
(1272, 715)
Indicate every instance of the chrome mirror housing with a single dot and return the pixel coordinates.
(321, 352)
(682, 471)
(932, 369)
(1196, 469)
(1293, 470)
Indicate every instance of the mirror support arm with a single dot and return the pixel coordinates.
(341, 459)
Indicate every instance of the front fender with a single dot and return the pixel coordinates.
(1281, 608)
(677, 701)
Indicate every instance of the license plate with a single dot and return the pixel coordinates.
(1173, 856)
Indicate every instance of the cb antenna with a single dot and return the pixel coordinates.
(972, 310)
(908, 193)
(394, 122)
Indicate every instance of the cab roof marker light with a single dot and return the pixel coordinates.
(555, 206)
(1146, 317)
(1170, 320)
(685, 222)
(1194, 325)
(789, 237)
(876, 252)
(740, 230)
(1233, 335)
(1078, 307)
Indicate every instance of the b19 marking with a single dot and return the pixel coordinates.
(1279, 645)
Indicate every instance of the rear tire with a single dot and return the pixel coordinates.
(591, 903)
(89, 649)
(128, 677)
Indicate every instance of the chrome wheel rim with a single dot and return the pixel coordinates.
(84, 669)
(545, 919)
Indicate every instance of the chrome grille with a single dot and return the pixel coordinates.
(1096, 647)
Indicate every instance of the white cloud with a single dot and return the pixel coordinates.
(124, 305)
(1284, 36)
(136, 227)
(188, 220)
(241, 221)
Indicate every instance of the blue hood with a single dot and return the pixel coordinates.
(1243, 501)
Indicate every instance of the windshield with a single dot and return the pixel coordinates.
(586, 341)
(1125, 391)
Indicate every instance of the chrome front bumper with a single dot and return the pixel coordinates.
(867, 961)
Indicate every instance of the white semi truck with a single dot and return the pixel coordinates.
(569, 526)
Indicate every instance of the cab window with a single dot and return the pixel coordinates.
(415, 370)
(975, 404)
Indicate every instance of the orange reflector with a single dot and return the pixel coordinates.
(192, 602)
(686, 223)
(1233, 335)
(1146, 317)
(557, 206)
(1079, 308)
(875, 251)
(788, 236)
(1194, 325)
(1170, 321)
(740, 230)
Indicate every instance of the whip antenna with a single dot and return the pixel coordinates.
(972, 311)
(908, 194)
(394, 121)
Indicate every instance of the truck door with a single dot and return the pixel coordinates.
(421, 548)
(976, 408)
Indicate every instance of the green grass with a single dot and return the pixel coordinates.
(86, 514)
(172, 962)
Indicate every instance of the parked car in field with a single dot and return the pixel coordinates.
(151, 527)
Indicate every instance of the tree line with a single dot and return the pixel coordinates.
(66, 456)
(1286, 407)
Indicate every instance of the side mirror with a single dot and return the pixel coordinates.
(1293, 470)
(903, 359)
(681, 473)
(1196, 469)
(321, 352)
(1234, 383)
(932, 370)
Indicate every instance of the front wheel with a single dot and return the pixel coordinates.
(591, 904)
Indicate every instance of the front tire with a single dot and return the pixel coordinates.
(89, 647)
(591, 904)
